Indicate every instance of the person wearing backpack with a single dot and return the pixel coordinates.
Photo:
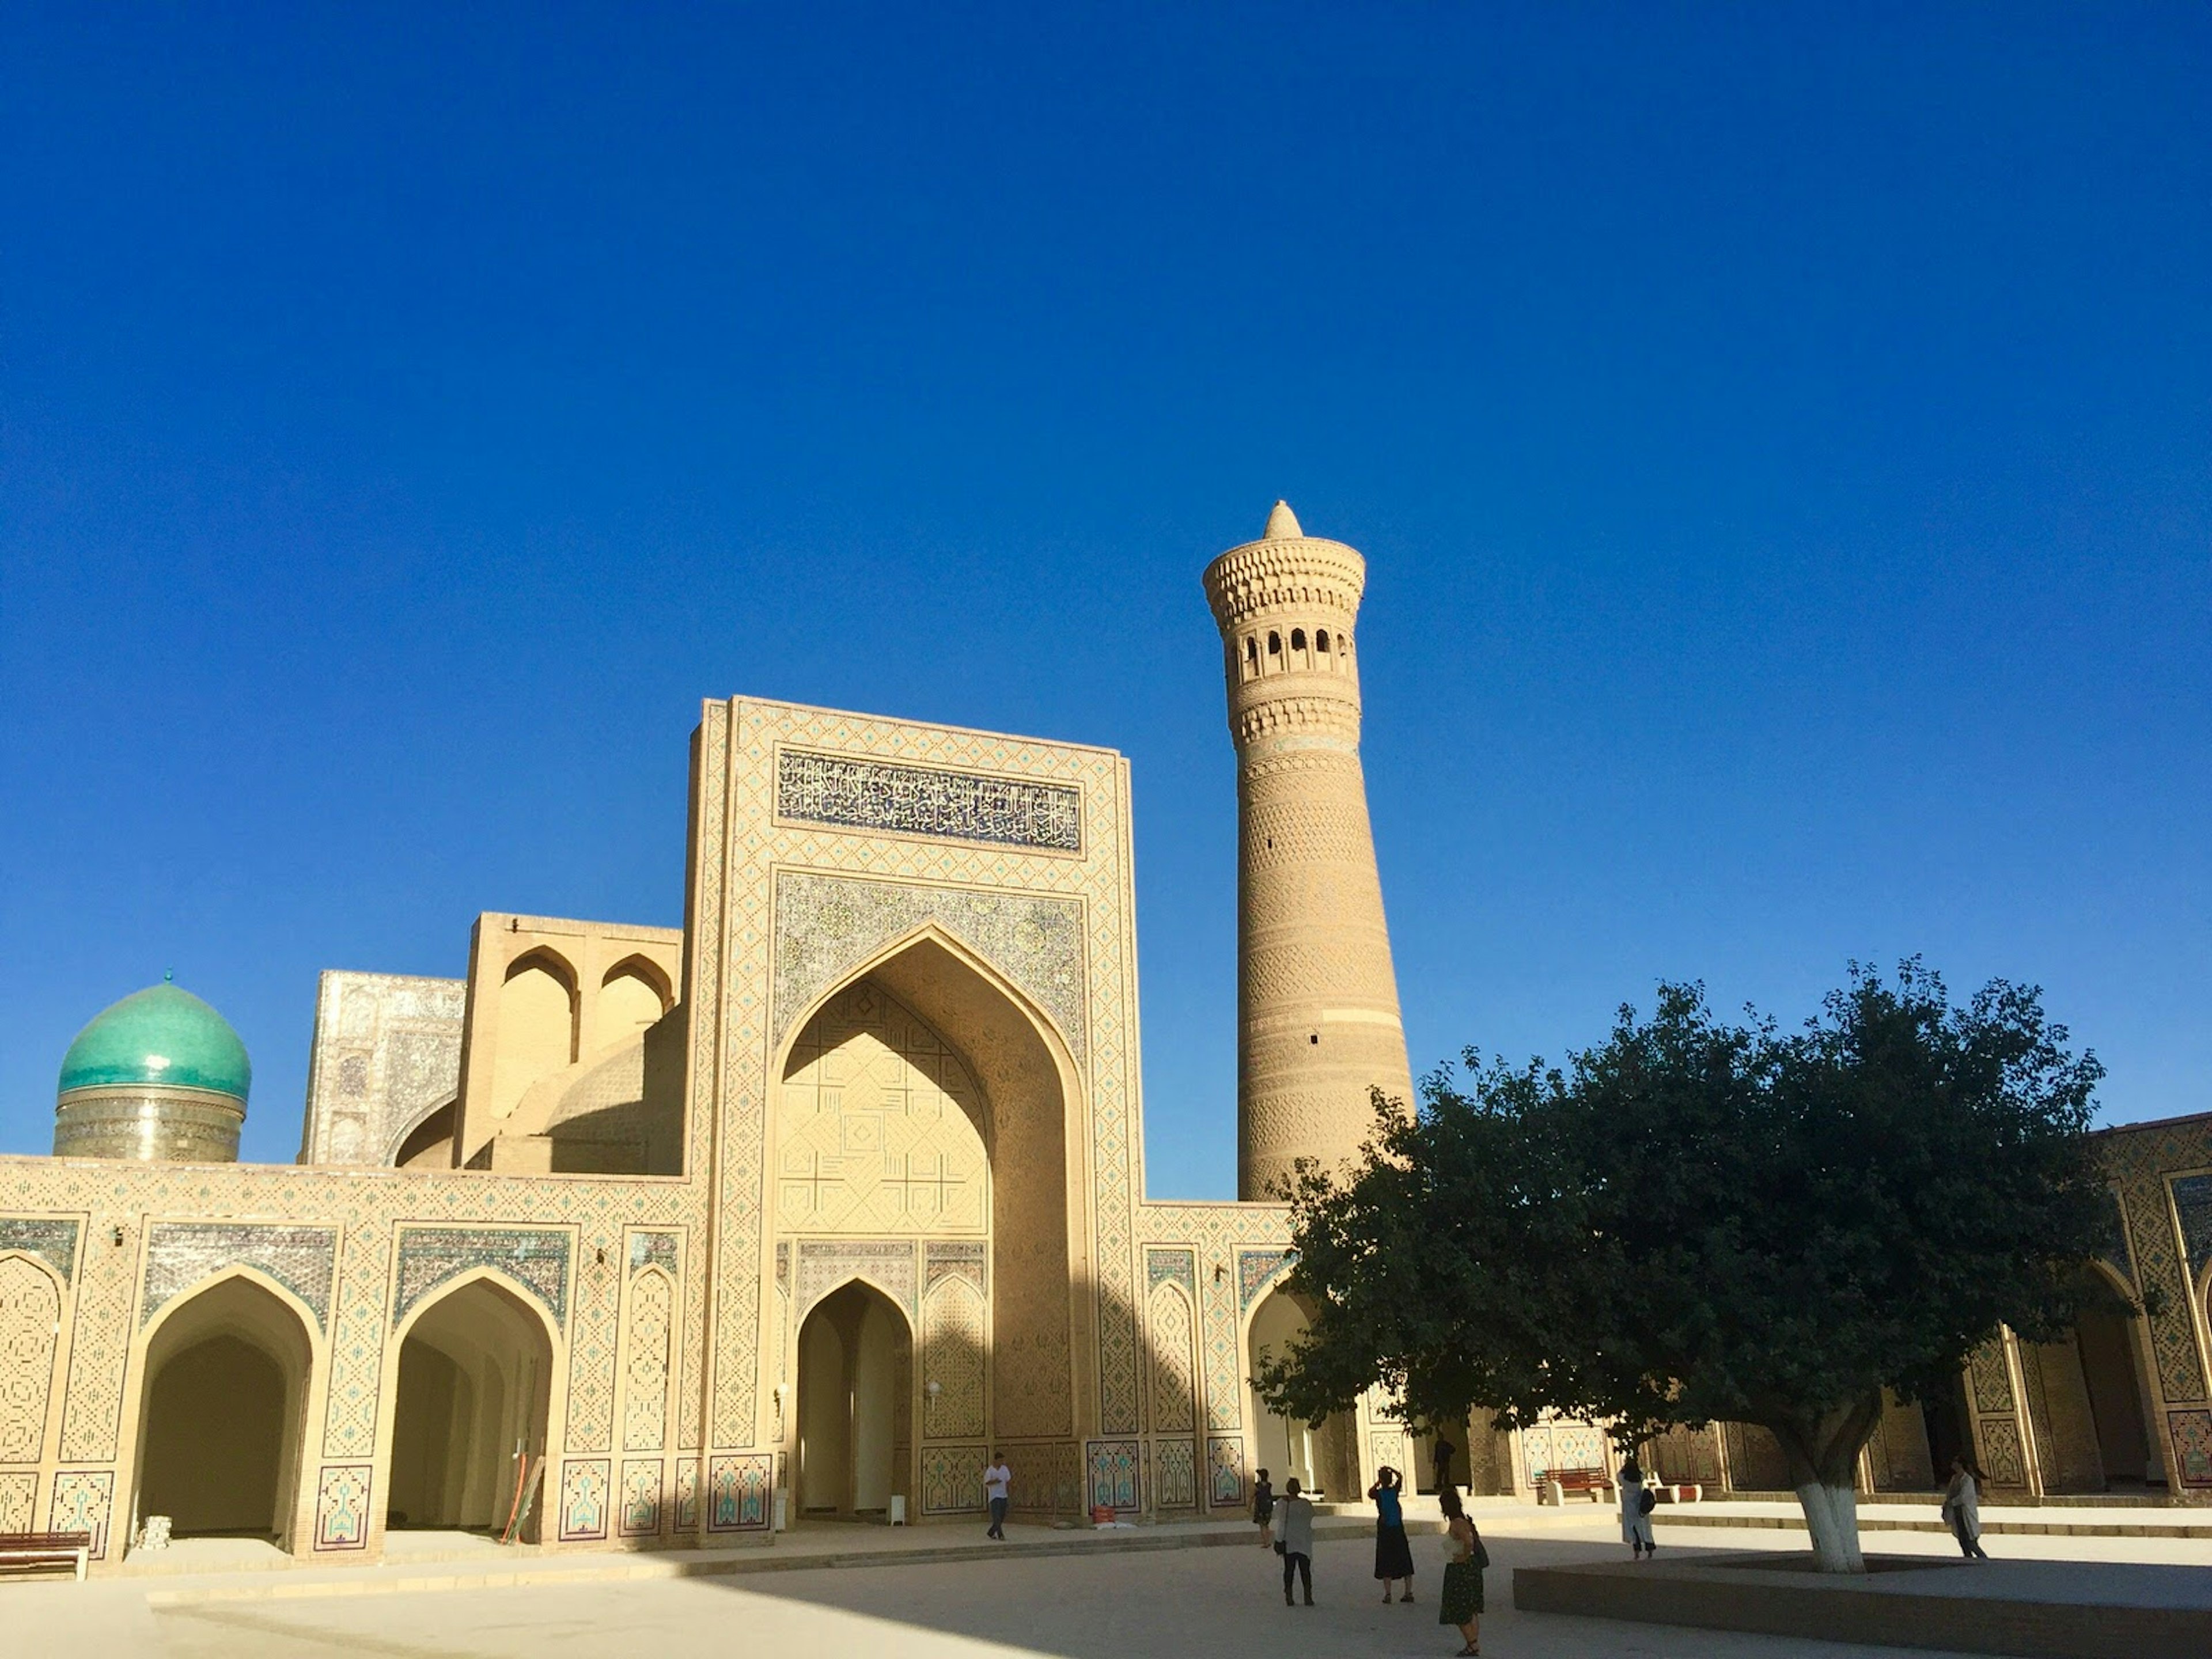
(1637, 1503)
(1464, 1560)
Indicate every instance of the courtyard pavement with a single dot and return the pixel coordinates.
(1005, 1601)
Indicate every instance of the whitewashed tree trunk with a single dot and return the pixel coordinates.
(1822, 1450)
(1832, 1516)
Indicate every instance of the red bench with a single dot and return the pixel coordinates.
(31, 1550)
(1596, 1482)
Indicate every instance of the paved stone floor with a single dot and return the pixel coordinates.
(1224, 1602)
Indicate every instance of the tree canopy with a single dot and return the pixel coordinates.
(1698, 1221)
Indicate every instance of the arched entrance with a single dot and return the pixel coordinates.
(469, 1421)
(220, 1413)
(1324, 1457)
(855, 1405)
(2111, 1375)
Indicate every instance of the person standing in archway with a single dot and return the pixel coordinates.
(996, 1480)
(1440, 1463)
(1263, 1509)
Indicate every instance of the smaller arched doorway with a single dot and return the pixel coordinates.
(1323, 1456)
(855, 1405)
(221, 1414)
(468, 1430)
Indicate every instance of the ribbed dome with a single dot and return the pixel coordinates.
(163, 1034)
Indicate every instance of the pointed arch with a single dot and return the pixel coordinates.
(222, 1375)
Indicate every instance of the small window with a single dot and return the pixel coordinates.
(1297, 639)
(1321, 639)
(1252, 651)
(1274, 645)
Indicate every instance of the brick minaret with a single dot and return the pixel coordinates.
(1316, 999)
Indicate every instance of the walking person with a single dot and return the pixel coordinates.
(1461, 1605)
(996, 1480)
(1637, 1503)
(1295, 1545)
(1962, 1509)
(1394, 1556)
(1263, 1509)
(1440, 1463)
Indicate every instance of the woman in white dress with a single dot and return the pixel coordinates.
(1962, 1508)
(1637, 1501)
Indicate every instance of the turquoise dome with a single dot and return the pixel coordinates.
(162, 1034)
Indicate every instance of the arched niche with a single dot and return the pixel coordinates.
(1029, 1122)
(30, 1326)
(855, 1405)
(536, 1032)
(469, 1413)
(221, 1411)
(634, 993)
(1324, 1457)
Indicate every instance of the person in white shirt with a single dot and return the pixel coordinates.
(996, 1478)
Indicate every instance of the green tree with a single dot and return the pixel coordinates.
(1697, 1222)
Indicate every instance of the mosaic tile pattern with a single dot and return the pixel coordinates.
(584, 1498)
(2138, 1160)
(534, 1256)
(1256, 1270)
(1987, 1375)
(2192, 1432)
(1224, 1471)
(81, 1502)
(826, 927)
(952, 1480)
(98, 1339)
(53, 1242)
(342, 1506)
(1113, 1471)
(1175, 1473)
(2192, 1208)
(591, 1347)
(645, 1365)
(737, 1491)
(1170, 1324)
(181, 1253)
(687, 1495)
(653, 1249)
(2114, 1249)
(1389, 1448)
(386, 1053)
(1171, 1266)
(824, 1264)
(641, 1496)
(953, 1342)
(959, 1258)
(18, 1500)
(911, 800)
(30, 1327)
(2002, 1461)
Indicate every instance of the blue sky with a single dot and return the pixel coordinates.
(1780, 438)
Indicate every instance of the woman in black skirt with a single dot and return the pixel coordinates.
(1394, 1556)
(1465, 1558)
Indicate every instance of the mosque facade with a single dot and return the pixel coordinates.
(643, 1237)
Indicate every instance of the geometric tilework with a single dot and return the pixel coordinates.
(864, 794)
(2192, 1208)
(687, 1496)
(584, 1498)
(1112, 1482)
(653, 1250)
(1175, 1474)
(2114, 1249)
(180, 1254)
(1224, 1463)
(39, 1235)
(97, 1337)
(645, 1365)
(591, 1354)
(342, 1507)
(2192, 1445)
(30, 1324)
(641, 1496)
(1985, 1367)
(81, 1502)
(1169, 1326)
(19, 1501)
(535, 1257)
(1256, 1270)
(1163, 1265)
(738, 1490)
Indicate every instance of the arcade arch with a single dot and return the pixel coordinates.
(221, 1410)
(469, 1416)
(1324, 1455)
(855, 1388)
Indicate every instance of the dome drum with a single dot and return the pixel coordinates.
(150, 1125)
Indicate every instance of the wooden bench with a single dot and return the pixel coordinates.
(29, 1550)
(1596, 1482)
